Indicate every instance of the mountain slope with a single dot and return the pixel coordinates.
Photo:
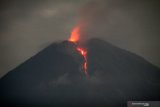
(128, 76)
(54, 77)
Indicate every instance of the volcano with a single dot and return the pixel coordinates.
(55, 77)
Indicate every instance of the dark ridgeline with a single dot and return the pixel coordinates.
(54, 77)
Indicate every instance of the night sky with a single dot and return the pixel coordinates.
(29, 26)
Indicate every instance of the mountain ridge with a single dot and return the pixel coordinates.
(54, 77)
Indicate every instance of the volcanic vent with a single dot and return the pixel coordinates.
(75, 35)
(54, 77)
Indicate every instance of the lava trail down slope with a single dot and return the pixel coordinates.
(54, 77)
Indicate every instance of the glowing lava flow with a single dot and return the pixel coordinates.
(74, 38)
(84, 54)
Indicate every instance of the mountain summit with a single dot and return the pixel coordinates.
(54, 77)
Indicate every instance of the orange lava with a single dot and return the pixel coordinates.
(75, 34)
(84, 54)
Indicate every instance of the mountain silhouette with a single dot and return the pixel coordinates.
(54, 77)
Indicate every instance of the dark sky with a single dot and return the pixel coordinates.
(28, 26)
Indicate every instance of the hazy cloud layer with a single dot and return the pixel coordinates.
(28, 26)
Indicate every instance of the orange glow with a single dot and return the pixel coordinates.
(84, 54)
(82, 51)
(85, 67)
(74, 35)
